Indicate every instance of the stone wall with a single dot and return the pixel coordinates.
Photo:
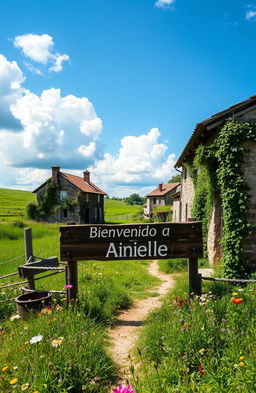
(214, 245)
(176, 211)
(187, 195)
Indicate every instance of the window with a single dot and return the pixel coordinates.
(63, 195)
(154, 201)
(64, 213)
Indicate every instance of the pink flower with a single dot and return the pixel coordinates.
(68, 286)
(123, 389)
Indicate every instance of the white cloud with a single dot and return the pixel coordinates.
(52, 128)
(11, 78)
(141, 163)
(164, 3)
(250, 15)
(58, 62)
(39, 48)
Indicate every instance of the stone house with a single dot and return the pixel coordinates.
(79, 200)
(205, 133)
(160, 196)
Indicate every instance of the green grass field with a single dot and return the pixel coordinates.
(13, 204)
(80, 361)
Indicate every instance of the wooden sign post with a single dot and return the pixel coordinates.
(131, 241)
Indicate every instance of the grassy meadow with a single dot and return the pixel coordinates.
(206, 346)
(62, 350)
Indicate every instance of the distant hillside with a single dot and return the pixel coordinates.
(13, 203)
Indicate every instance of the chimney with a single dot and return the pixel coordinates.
(55, 174)
(87, 176)
(161, 187)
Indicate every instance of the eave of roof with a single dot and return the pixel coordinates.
(166, 188)
(216, 118)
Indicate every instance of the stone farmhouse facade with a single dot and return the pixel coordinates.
(88, 199)
(160, 196)
(205, 133)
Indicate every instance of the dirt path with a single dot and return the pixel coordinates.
(125, 333)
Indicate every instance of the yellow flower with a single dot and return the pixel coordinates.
(5, 368)
(234, 293)
(241, 358)
(36, 391)
(25, 386)
(202, 350)
(13, 381)
(241, 364)
(79, 315)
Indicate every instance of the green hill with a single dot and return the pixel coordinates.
(13, 204)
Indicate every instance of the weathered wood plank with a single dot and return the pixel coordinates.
(24, 270)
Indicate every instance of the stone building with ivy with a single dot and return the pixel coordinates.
(65, 197)
(218, 186)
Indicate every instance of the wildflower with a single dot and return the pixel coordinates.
(13, 381)
(57, 342)
(237, 300)
(36, 339)
(46, 311)
(5, 368)
(68, 286)
(123, 389)
(24, 386)
(202, 350)
(182, 320)
(201, 369)
(15, 317)
(241, 364)
(234, 293)
(241, 357)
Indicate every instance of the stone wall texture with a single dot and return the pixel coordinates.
(187, 195)
(214, 246)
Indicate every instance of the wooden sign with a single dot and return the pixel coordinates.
(131, 241)
(25, 271)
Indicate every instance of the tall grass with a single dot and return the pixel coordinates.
(204, 346)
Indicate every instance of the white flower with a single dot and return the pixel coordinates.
(15, 317)
(36, 339)
(57, 342)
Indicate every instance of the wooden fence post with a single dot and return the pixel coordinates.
(72, 281)
(194, 285)
(29, 254)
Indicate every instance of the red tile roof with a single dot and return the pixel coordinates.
(80, 183)
(165, 188)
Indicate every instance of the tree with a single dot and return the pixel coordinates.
(175, 179)
(134, 199)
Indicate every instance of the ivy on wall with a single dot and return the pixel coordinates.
(218, 167)
(49, 203)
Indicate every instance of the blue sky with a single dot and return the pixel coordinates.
(116, 86)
